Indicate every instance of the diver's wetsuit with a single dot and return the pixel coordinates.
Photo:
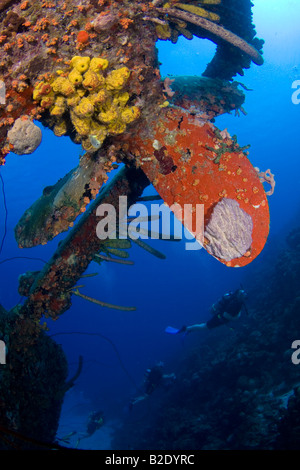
(96, 420)
(153, 379)
(229, 304)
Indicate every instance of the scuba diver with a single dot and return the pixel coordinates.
(95, 422)
(228, 308)
(154, 377)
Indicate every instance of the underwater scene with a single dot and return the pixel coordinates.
(150, 230)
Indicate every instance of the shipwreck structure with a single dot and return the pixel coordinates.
(89, 70)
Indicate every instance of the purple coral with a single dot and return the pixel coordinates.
(229, 230)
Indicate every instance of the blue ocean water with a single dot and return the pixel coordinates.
(180, 289)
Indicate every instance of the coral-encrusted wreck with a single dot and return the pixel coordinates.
(89, 70)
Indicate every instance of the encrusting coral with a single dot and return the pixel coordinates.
(194, 17)
(173, 28)
(191, 16)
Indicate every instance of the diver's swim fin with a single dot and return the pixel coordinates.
(173, 331)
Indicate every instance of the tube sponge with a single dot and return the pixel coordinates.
(94, 101)
(117, 79)
(81, 64)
